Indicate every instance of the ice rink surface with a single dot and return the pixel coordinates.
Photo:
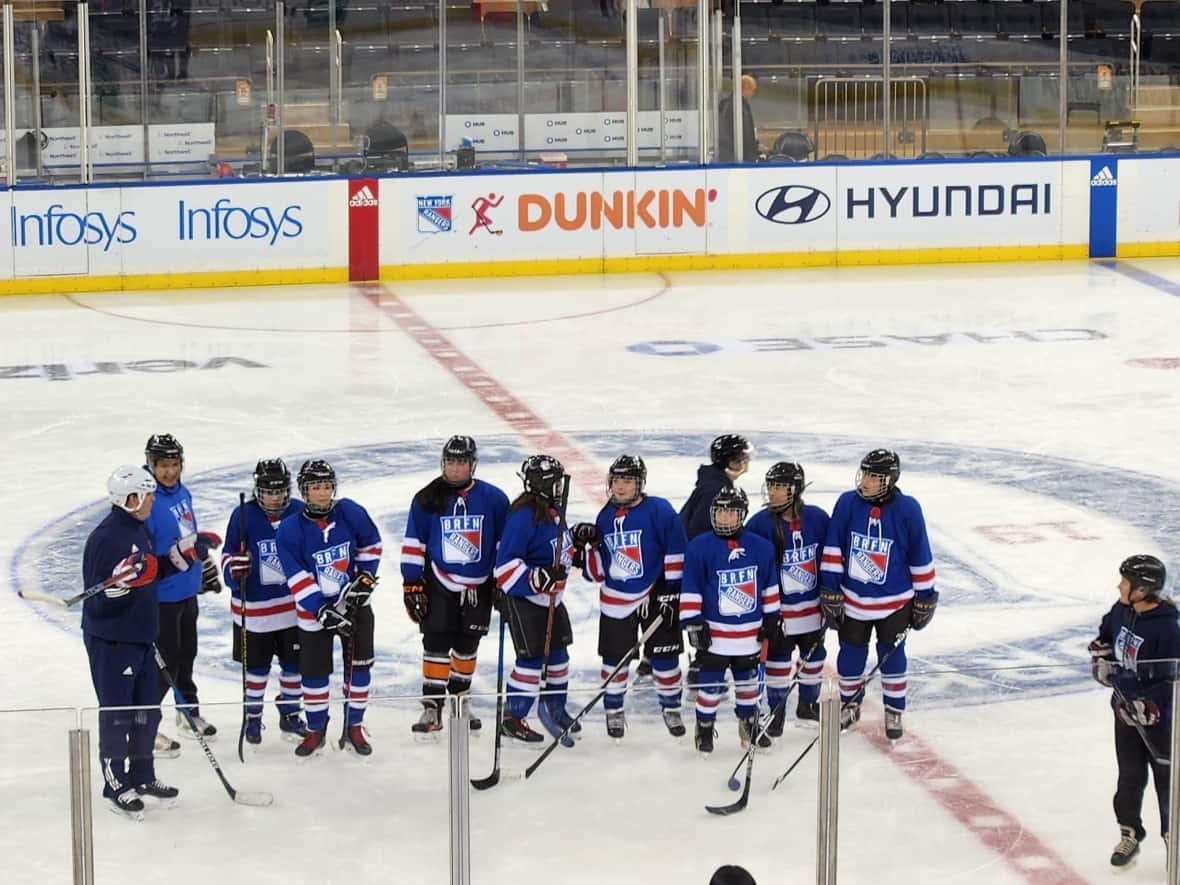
(1035, 409)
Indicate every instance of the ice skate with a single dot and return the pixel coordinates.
(313, 744)
(125, 803)
(807, 714)
(1127, 850)
(749, 732)
(616, 725)
(849, 715)
(704, 738)
(893, 729)
(356, 739)
(777, 721)
(292, 727)
(429, 724)
(673, 722)
(518, 729)
(164, 795)
(207, 731)
(254, 728)
(165, 747)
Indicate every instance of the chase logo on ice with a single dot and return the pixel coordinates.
(226, 221)
(57, 226)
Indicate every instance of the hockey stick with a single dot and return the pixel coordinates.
(626, 662)
(896, 645)
(241, 797)
(242, 597)
(748, 757)
(557, 551)
(1138, 726)
(68, 601)
(494, 778)
(346, 643)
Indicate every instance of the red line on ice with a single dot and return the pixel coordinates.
(975, 810)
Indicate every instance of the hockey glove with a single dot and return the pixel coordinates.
(668, 601)
(414, 597)
(1102, 662)
(1141, 712)
(832, 603)
(547, 579)
(137, 570)
(360, 590)
(192, 548)
(698, 635)
(923, 611)
(210, 582)
(239, 567)
(584, 533)
(332, 619)
(772, 626)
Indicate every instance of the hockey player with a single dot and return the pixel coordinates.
(119, 626)
(1135, 653)
(635, 551)
(330, 552)
(877, 573)
(729, 603)
(173, 527)
(532, 565)
(250, 562)
(797, 531)
(449, 549)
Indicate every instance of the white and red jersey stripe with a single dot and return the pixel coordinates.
(801, 617)
(873, 608)
(413, 552)
(456, 583)
(509, 577)
(266, 615)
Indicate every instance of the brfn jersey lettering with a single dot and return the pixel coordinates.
(462, 538)
(799, 570)
(270, 568)
(626, 554)
(869, 558)
(331, 565)
(737, 589)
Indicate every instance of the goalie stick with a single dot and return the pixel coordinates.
(896, 645)
(241, 797)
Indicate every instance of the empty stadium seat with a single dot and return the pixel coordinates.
(792, 21)
(838, 20)
(974, 20)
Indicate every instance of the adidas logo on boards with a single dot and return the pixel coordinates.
(1104, 178)
(363, 197)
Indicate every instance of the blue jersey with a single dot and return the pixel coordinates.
(171, 519)
(878, 554)
(269, 604)
(1139, 640)
(135, 615)
(459, 543)
(801, 543)
(525, 545)
(636, 547)
(731, 584)
(321, 556)
(695, 513)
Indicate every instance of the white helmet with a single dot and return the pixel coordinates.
(126, 481)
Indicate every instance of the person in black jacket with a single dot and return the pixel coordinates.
(1134, 654)
(119, 627)
(751, 149)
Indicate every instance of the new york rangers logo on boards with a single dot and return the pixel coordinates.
(798, 572)
(1126, 648)
(737, 590)
(331, 568)
(435, 214)
(462, 538)
(626, 554)
(868, 559)
(270, 568)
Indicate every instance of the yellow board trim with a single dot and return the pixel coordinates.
(54, 285)
(745, 261)
(1149, 250)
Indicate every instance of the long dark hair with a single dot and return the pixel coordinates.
(433, 497)
(538, 504)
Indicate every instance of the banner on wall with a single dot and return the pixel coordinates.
(167, 143)
(598, 131)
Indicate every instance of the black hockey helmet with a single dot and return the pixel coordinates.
(459, 448)
(542, 476)
(727, 448)
(272, 475)
(784, 473)
(883, 463)
(628, 466)
(1145, 572)
(729, 499)
(316, 470)
(162, 445)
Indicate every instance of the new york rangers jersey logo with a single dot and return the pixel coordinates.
(799, 570)
(462, 538)
(331, 567)
(1126, 648)
(270, 570)
(567, 549)
(868, 558)
(182, 512)
(737, 590)
(626, 554)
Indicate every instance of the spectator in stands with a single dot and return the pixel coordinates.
(732, 875)
(751, 150)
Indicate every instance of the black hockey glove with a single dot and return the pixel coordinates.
(1141, 712)
(668, 600)
(414, 596)
(547, 579)
(359, 590)
(832, 603)
(1102, 662)
(698, 635)
(584, 533)
(210, 581)
(772, 626)
(332, 619)
(923, 611)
